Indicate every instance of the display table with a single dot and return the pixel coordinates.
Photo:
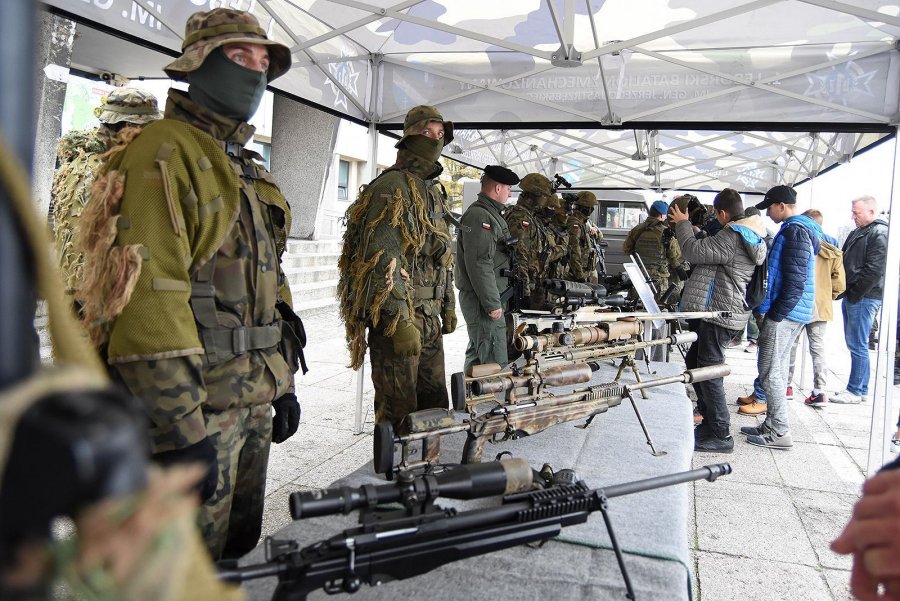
(651, 527)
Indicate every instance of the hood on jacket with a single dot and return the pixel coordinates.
(752, 231)
(827, 250)
(815, 230)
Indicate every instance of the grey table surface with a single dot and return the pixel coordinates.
(651, 527)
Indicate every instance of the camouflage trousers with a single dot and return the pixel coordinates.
(487, 337)
(231, 520)
(407, 384)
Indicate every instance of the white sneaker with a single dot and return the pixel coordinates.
(895, 444)
(845, 397)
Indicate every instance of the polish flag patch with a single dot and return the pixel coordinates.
(485, 226)
(525, 224)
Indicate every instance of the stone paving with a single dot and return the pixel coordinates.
(762, 532)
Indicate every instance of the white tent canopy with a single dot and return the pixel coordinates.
(558, 85)
(655, 94)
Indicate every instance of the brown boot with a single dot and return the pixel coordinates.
(753, 408)
(747, 400)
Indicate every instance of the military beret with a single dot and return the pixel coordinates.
(501, 175)
(659, 208)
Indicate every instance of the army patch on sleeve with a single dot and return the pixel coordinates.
(486, 226)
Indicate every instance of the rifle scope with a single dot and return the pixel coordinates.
(456, 482)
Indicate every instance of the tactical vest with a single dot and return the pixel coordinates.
(222, 336)
(648, 244)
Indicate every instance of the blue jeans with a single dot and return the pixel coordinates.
(858, 319)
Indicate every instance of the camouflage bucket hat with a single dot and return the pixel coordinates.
(586, 199)
(418, 117)
(129, 105)
(206, 31)
(537, 184)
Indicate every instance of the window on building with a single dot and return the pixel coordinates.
(343, 179)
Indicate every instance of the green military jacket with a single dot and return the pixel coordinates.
(201, 327)
(660, 253)
(397, 257)
(481, 257)
(533, 250)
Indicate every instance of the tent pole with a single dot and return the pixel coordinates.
(374, 67)
(883, 416)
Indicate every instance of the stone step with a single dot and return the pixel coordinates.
(314, 307)
(332, 247)
(299, 276)
(314, 290)
(291, 260)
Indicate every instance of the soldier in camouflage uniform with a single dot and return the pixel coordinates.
(584, 240)
(79, 154)
(535, 249)
(481, 262)
(554, 221)
(653, 241)
(184, 290)
(397, 274)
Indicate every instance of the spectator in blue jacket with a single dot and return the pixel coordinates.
(788, 306)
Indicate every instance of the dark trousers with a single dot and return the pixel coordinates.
(709, 349)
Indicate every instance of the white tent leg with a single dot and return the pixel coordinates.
(884, 419)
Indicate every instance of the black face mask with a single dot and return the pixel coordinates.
(225, 87)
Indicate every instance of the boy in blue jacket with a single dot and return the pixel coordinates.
(788, 306)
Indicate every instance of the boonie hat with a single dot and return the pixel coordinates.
(130, 105)
(206, 31)
(418, 117)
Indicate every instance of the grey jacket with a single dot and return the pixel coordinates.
(723, 265)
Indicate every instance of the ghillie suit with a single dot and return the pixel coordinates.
(397, 278)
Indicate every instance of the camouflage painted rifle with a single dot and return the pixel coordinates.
(420, 536)
(531, 413)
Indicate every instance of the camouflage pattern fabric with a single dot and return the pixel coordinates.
(200, 228)
(128, 105)
(583, 257)
(231, 521)
(535, 249)
(556, 263)
(407, 384)
(206, 31)
(79, 156)
(659, 252)
(397, 265)
(481, 262)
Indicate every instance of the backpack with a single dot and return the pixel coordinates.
(756, 287)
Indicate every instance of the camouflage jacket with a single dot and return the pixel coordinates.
(534, 249)
(79, 154)
(558, 266)
(396, 258)
(583, 256)
(201, 328)
(658, 249)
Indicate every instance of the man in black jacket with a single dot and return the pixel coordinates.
(865, 259)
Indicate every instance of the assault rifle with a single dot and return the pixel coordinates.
(515, 292)
(532, 411)
(420, 536)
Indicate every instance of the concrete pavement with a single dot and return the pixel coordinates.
(762, 532)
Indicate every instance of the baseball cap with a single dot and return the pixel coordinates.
(784, 194)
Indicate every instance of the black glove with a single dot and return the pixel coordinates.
(287, 417)
(200, 452)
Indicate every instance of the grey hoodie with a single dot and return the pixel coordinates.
(723, 265)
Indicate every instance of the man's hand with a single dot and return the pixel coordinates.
(286, 418)
(407, 339)
(202, 453)
(495, 314)
(448, 321)
(871, 536)
(677, 215)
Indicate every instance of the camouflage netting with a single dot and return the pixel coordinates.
(361, 294)
(79, 154)
(112, 271)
